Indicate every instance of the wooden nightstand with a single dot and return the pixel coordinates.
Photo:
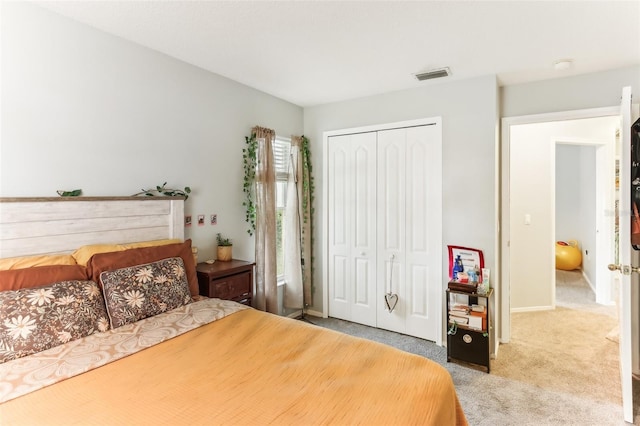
(232, 280)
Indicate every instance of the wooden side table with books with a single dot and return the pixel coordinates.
(468, 327)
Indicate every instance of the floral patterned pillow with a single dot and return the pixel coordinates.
(35, 319)
(142, 291)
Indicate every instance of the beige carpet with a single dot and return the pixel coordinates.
(564, 350)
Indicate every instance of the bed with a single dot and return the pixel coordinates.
(167, 355)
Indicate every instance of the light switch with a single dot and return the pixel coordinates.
(527, 219)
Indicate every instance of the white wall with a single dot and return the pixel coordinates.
(469, 115)
(568, 198)
(575, 208)
(532, 152)
(588, 224)
(584, 91)
(85, 109)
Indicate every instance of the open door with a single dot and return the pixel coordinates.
(627, 224)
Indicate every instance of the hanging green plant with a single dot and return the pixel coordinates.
(73, 193)
(164, 191)
(309, 186)
(307, 201)
(250, 160)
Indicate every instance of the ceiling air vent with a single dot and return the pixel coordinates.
(437, 73)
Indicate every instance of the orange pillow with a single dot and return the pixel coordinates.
(31, 261)
(15, 279)
(139, 256)
(151, 243)
(84, 253)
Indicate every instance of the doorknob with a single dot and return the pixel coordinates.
(624, 269)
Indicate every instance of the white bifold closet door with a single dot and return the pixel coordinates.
(385, 215)
(352, 228)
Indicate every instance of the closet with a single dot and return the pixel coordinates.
(384, 238)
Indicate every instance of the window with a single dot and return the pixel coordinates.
(281, 156)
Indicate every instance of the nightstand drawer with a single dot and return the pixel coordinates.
(233, 287)
(231, 280)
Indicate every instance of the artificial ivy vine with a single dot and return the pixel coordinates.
(307, 202)
(250, 160)
(163, 190)
(309, 187)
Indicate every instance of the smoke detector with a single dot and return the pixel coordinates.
(436, 73)
(562, 64)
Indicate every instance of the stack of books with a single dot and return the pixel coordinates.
(474, 316)
(478, 317)
(459, 313)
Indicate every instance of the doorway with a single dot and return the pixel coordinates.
(528, 216)
(585, 194)
(628, 300)
(533, 209)
(530, 229)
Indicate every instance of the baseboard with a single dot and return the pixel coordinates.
(532, 309)
(314, 313)
(586, 278)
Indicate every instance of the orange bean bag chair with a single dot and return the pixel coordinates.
(568, 255)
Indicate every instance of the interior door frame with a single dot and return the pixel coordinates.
(437, 121)
(504, 331)
(605, 226)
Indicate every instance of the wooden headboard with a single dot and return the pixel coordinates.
(30, 226)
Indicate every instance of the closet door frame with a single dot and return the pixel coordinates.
(436, 121)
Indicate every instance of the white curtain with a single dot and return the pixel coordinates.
(293, 292)
(298, 228)
(266, 295)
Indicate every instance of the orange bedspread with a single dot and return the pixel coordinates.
(251, 368)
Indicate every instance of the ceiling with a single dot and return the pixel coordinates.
(315, 52)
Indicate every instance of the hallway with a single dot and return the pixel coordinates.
(572, 349)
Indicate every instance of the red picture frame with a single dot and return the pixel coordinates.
(470, 258)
